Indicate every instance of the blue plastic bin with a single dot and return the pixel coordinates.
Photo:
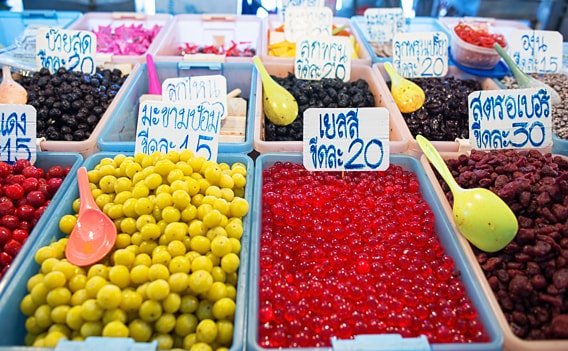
(45, 160)
(13, 24)
(14, 288)
(443, 228)
(119, 133)
(417, 24)
(559, 146)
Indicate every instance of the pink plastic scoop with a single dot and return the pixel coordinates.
(94, 233)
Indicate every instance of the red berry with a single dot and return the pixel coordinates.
(10, 222)
(5, 169)
(30, 184)
(42, 187)
(67, 170)
(53, 184)
(14, 191)
(36, 198)
(5, 235)
(20, 235)
(25, 225)
(6, 206)
(5, 259)
(30, 171)
(25, 212)
(15, 179)
(12, 247)
(56, 172)
(20, 165)
(38, 212)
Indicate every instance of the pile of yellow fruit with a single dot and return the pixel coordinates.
(172, 274)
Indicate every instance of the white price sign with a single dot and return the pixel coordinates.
(200, 88)
(346, 139)
(319, 58)
(18, 133)
(284, 4)
(536, 51)
(510, 119)
(307, 21)
(384, 23)
(72, 49)
(192, 124)
(417, 55)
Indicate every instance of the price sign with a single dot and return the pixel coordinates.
(307, 21)
(346, 139)
(200, 88)
(510, 119)
(72, 49)
(192, 124)
(418, 55)
(284, 4)
(17, 133)
(536, 51)
(319, 58)
(384, 23)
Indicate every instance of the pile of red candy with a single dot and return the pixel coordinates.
(25, 193)
(235, 50)
(125, 40)
(479, 35)
(355, 254)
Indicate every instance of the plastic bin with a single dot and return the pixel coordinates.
(399, 133)
(119, 133)
(13, 24)
(445, 233)
(417, 24)
(45, 160)
(501, 26)
(445, 146)
(13, 289)
(92, 20)
(274, 21)
(88, 146)
(473, 56)
(204, 29)
(511, 342)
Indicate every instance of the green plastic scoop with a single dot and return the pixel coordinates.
(280, 107)
(407, 95)
(481, 216)
(524, 81)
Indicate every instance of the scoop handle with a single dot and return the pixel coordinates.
(438, 162)
(521, 78)
(86, 196)
(6, 74)
(266, 79)
(154, 86)
(393, 74)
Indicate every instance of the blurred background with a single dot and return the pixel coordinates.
(543, 14)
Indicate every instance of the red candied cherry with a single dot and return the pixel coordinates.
(30, 184)
(5, 259)
(10, 222)
(5, 235)
(6, 206)
(36, 198)
(5, 169)
(20, 235)
(12, 247)
(38, 212)
(20, 165)
(53, 184)
(30, 171)
(67, 170)
(15, 179)
(14, 191)
(55, 172)
(42, 187)
(25, 212)
(25, 225)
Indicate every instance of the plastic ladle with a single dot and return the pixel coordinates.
(94, 233)
(481, 216)
(407, 95)
(10, 91)
(524, 81)
(280, 107)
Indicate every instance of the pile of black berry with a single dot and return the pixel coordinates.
(444, 115)
(70, 104)
(311, 93)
